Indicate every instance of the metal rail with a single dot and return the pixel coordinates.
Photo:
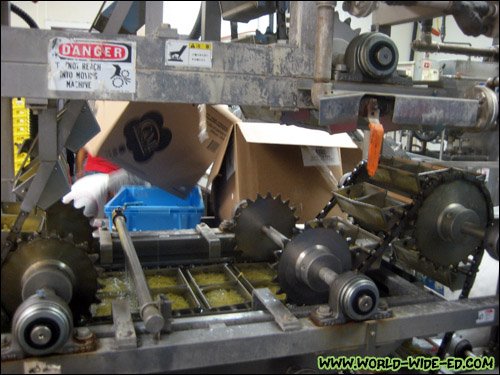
(214, 342)
(150, 314)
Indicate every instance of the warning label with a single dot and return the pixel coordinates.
(91, 65)
(485, 316)
(188, 53)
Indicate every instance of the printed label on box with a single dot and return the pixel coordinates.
(188, 53)
(91, 65)
(313, 156)
(485, 316)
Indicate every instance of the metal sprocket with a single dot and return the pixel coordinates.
(66, 220)
(65, 255)
(251, 216)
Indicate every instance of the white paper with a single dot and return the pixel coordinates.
(316, 156)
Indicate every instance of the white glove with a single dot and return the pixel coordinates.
(90, 192)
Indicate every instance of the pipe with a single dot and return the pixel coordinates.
(150, 314)
(441, 146)
(420, 46)
(327, 275)
(274, 235)
(196, 30)
(324, 41)
(323, 55)
(473, 230)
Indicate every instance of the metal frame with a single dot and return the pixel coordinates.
(211, 340)
(279, 77)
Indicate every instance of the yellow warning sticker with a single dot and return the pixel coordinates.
(200, 45)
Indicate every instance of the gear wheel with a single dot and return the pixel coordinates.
(251, 216)
(49, 262)
(67, 221)
(302, 259)
(429, 242)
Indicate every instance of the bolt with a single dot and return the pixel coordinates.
(384, 56)
(40, 293)
(40, 335)
(365, 303)
(83, 333)
(5, 341)
(324, 310)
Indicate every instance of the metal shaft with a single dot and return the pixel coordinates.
(323, 54)
(418, 45)
(473, 230)
(324, 41)
(469, 353)
(274, 235)
(150, 314)
(327, 275)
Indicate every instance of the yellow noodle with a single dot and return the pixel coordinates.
(114, 284)
(160, 281)
(274, 289)
(207, 278)
(103, 308)
(178, 301)
(223, 297)
(257, 273)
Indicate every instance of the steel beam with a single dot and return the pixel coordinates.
(215, 344)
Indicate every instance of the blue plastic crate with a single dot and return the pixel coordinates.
(155, 209)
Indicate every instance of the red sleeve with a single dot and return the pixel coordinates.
(98, 164)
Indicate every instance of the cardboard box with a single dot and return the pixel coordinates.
(262, 158)
(170, 145)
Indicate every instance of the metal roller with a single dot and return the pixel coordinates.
(315, 268)
(303, 259)
(374, 54)
(42, 323)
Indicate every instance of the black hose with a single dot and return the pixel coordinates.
(196, 32)
(21, 13)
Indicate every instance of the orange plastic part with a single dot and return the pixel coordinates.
(376, 138)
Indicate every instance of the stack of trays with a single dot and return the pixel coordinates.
(258, 275)
(218, 288)
(20, 129)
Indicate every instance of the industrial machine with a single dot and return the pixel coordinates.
(258, 290)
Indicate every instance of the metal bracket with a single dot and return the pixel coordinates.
(106, 246)
(325, 316)
(214, 246)
(125, 337)
(340, 108)
(371, 336)
(264, 299)
(165, 307)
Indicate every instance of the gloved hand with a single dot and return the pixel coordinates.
(90, 192)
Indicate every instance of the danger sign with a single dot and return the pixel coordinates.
(95, 51)
(90, 65)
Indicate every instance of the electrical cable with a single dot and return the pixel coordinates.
(21, 13)
(196, 31)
